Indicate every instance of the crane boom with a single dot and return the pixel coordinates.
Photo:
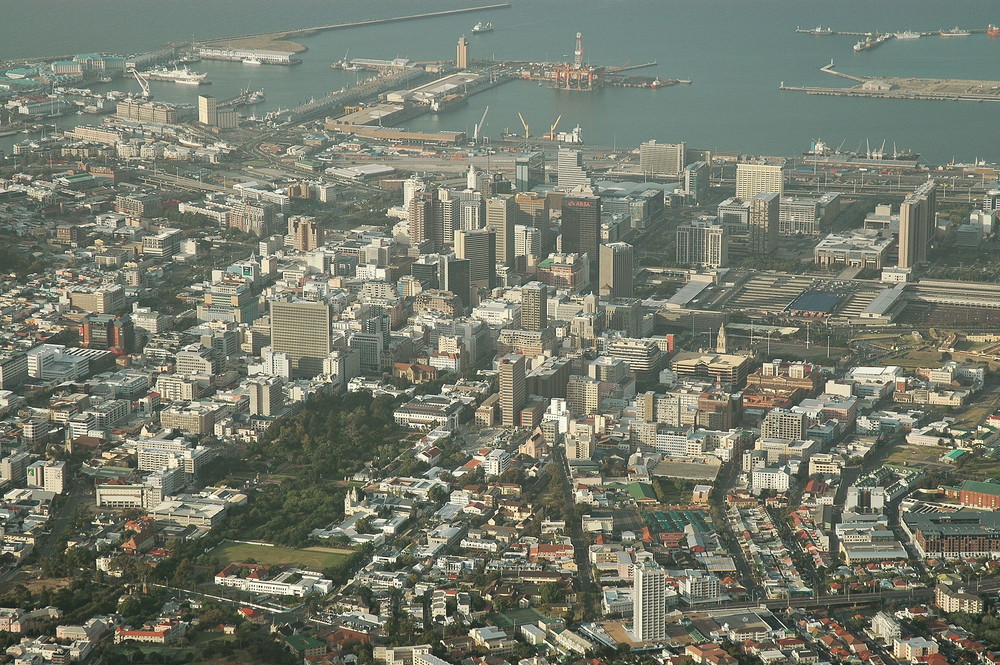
(479, 127)
(552, 129)
(526, 127)
(143, 83)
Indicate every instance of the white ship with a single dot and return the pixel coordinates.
(252, 61)
(184, 76)
(908, 34)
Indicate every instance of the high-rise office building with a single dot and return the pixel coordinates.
(534, 306)
(479, 247)
(649, 603)
(306, 235)
(617, 265)
(570, 171)
(512, 389)
(208, 110)
(917, 215)
(533, 211)
(455, 276)
(462, 53)
(472, 212)
(527, 242)
(696, 181)
(529, 170)
(500, 219)
(666, 159)
(581, 229)
(703, 243)
(301, 329)
(764, 222)
(420, 213)
(753, 179)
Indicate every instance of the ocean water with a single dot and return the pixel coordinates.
(736, 52)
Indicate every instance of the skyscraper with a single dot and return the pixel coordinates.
(917, 215)
(666, 159)
(704, 243)
(301, 329)
(527, 243)
(569, 169)
(764, 221)
(512, 389)
(696, 180)
(455, 276)
(648, 603)
(529, 170)
(479, 247)
(462, 53)
(500, 219)
(534, 306)
(617, 263)
(581, 229)
(420, 213)
(305, 232)
(533, 210)
(752, 179)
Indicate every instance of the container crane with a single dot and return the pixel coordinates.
(552, 130)
(143, 83)
(479, 126)
(527, 135)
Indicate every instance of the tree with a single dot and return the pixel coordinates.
(552, 593)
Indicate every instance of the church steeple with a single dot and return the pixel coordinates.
(721, 345)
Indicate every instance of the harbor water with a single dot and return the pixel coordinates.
(735, 53)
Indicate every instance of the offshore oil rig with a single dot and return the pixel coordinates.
(578, 75)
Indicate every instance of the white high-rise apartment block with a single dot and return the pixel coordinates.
(649, 603)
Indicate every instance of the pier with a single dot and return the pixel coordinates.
(874, 33)
(828, 69)
(628, 68)
(309, 31)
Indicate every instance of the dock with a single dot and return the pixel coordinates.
(964, 90)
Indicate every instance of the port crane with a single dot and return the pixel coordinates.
(552, 130)
(479, 126)
(527, 128)
(143, 83)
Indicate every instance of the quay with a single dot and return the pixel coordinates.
(965, 90)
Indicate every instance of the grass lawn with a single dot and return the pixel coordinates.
(312, 558)
(916, 455)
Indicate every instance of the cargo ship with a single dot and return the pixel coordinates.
(993, 30)
(183, 76)
(955, 32)
(482, 27)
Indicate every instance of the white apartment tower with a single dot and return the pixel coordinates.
(649, 603)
